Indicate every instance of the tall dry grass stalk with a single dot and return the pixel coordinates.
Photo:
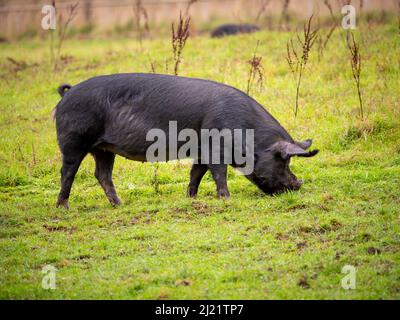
(298, 59)
(256, 70)
(284, 15)
(356, 67)
(178, 40)
(322, 43)
(262, 9)
(188, 6)
(141, 18)
(398, 15)
(155, 179)
(55, 49)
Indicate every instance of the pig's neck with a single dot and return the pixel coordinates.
(267, 130)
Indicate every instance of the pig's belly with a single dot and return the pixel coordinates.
(128, 139)
(123, 151)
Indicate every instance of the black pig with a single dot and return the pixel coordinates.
(109, 115)
(232, 29)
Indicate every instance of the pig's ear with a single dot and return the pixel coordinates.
(304, 144)
(288, 150)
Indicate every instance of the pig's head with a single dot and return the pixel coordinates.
(271, 170)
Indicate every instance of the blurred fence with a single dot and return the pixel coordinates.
(23, 16)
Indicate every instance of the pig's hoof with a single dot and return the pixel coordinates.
(224, 194)
(63, 204)
(191, 192)
(115, 202)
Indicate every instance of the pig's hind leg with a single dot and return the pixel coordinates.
(70, 165)
(219, 173)
(104, 166)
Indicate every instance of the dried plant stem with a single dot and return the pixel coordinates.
(52, 56)
(139, 12)
(153, 66)
(284, 15)
(329, 6)
(356, 67)
(155, 181)
(300, 75)
(256, 69)
(72, 11)
(323, 44)
(298, 60)
(188, 6)
(262, 9)
(398, 15)
(179, 38)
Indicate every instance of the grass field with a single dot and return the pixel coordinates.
(166, 246)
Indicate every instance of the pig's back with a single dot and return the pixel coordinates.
(124, 107)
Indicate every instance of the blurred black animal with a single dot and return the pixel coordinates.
(109, 115)
(231, 29)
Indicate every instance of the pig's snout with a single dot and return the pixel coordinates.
(297, 184)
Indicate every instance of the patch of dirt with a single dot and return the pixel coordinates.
(392, 248)
(366, 237)
(19, 65)
(323, 207)
(384, 267)
(372, 250)
(163, 296)
(65, 60)
(281, 237)
(200, 208)
(63, 263)
(58, 228)
(311, 229)
(298, 207)
(335, 225)
(301, 245)
(144, 217)
(315, 229)
(183, 282)
(82, 257)
(326, 197)
(303, 283)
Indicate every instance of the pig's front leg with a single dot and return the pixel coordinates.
(219, 174)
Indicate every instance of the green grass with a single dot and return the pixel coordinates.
(165, 246)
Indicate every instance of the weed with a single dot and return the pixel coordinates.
(262, 9)
(284, 15)
(188, 6)
(298, 60)
(140, 13)
(356, 67)
(179, 38)
(62, 30)
(323, 43)
(155, 180)
(256, 70)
